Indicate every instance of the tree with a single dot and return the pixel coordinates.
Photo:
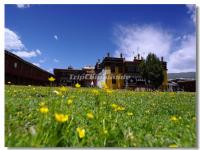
(152, 71)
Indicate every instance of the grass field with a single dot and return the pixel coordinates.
(89, 117)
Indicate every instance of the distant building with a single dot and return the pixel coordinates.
(118, 73)
(182, 84)
(71, 76)
(21, 72)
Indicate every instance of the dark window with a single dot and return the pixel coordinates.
(15, 65)
(113, 81)
(120, 69)
(112, 69)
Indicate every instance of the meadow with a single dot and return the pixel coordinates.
(91, 117)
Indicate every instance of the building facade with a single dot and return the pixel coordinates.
(71, 76)
(21, 72)
(118, 73)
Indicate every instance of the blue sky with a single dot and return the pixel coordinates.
(56, 36)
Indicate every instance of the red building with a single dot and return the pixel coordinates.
(19, 71)
(71, 76)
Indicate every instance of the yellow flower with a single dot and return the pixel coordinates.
(61, 117)
(51, 79)
(105, 131)
(194, 118)
(77, 85)
(109, 91)
(69, 101)
(19, 113)
(63, 89)
(56, 92)
(81, 132)
(120, 108)
(41, 103)
(44, 110)
(147, 111)
(173, 118)
(95, 92)
(114, 105)
(173, 146)
(90, 116)
(129, 113)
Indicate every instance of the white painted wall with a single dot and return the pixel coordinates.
(101, 78)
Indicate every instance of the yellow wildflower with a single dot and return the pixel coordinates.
(56, 92)
(90, 116)
(105, 131)
(147, 111)
(63, 89)
(173, 118)
(77, 85)
(19, 113)
(109, 91)
(129, 113)
(41, 103)
(114, 105)
(81, 132)
(194, 118)
(173, 146)
(51, 79)
(95, 92)
(44, 110)
(69, 101)
(61, 117)
(120, 108)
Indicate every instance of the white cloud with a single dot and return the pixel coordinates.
(131, 40)
(55, 37)
(38, 51)
(37, 64)
(27, 54)
(192, 11)
(134, 39)
(23, 5)
(12, 40)
(14, 44)
(184, 59)
(55, 60)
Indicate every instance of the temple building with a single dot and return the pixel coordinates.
(71, 76)
(21, 72)
(118, 73)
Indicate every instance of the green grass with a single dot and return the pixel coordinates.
(151, 124)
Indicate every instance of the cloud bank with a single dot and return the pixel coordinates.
(14, 44)
(23, 5)
(12, 40)
(135, 39)
(192, 12)
(179, 52)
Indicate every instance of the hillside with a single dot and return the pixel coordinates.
(181, 75)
